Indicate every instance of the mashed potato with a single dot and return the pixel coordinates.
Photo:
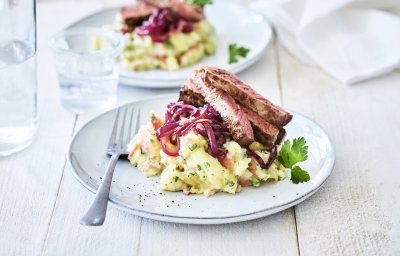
(194, 170)
(182, 49)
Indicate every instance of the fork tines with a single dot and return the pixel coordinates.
(126, 125)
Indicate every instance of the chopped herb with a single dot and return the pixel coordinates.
(176, 178)
(198, 167)
(151, 140)
(192, 173)
(192, 147)
(229, 183)
(207, 164)
(235, 52)
(168, 44)
(179, 168)
(199, 2)
(128, 47)
(255, 182)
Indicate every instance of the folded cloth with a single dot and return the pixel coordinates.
(351, 40)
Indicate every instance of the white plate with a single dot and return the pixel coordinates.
(238, 24)
(133, 192)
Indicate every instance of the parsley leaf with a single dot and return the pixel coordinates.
(299, 175)
(291, 155)
(235, 52)
(199, 2)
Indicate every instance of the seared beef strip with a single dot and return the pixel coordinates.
(190, 95)
(233, 116)
(264, 132)
(245, 95)
(281, 136)
(133, 16)
(186, 11)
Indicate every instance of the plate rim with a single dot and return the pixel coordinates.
(198, 220)
(176, 82)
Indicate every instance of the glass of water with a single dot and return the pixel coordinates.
(86, 61)
(18, 85)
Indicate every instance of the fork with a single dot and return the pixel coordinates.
(117, 147)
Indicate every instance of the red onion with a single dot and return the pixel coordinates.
(160, 23)
(181, 118)
(272, 156)
(260, 161)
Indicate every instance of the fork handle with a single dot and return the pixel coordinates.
(96, 213)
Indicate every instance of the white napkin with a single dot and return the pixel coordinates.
(350, 40)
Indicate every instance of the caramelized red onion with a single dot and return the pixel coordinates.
(260, 161)
(181, 118)
(160, 23)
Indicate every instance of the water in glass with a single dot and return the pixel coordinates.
(86, 67)
(18, 111)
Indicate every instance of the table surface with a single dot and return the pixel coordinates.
(356, 212)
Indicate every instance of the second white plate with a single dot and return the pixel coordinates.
(238, 24)
(133, 192)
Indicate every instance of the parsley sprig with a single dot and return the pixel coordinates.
(199, 2)
(235, 52)
(290, 155)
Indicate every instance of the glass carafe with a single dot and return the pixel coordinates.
(18, 83)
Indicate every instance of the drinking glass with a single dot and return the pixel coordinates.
(86, 62)
(18, 84)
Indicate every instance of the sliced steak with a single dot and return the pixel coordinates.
(190, 95)
(187, 11)
(133, 16)
(244, 94)
(158, 3)
(281, 136)
(231, 113)
(264, 132)
(190, 12)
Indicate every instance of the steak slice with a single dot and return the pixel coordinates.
(264, 132)
(244, 94)
(133, 16)
(158, 3)
(189, 12)
(190, 95)
(231, 113)
(281, 136)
